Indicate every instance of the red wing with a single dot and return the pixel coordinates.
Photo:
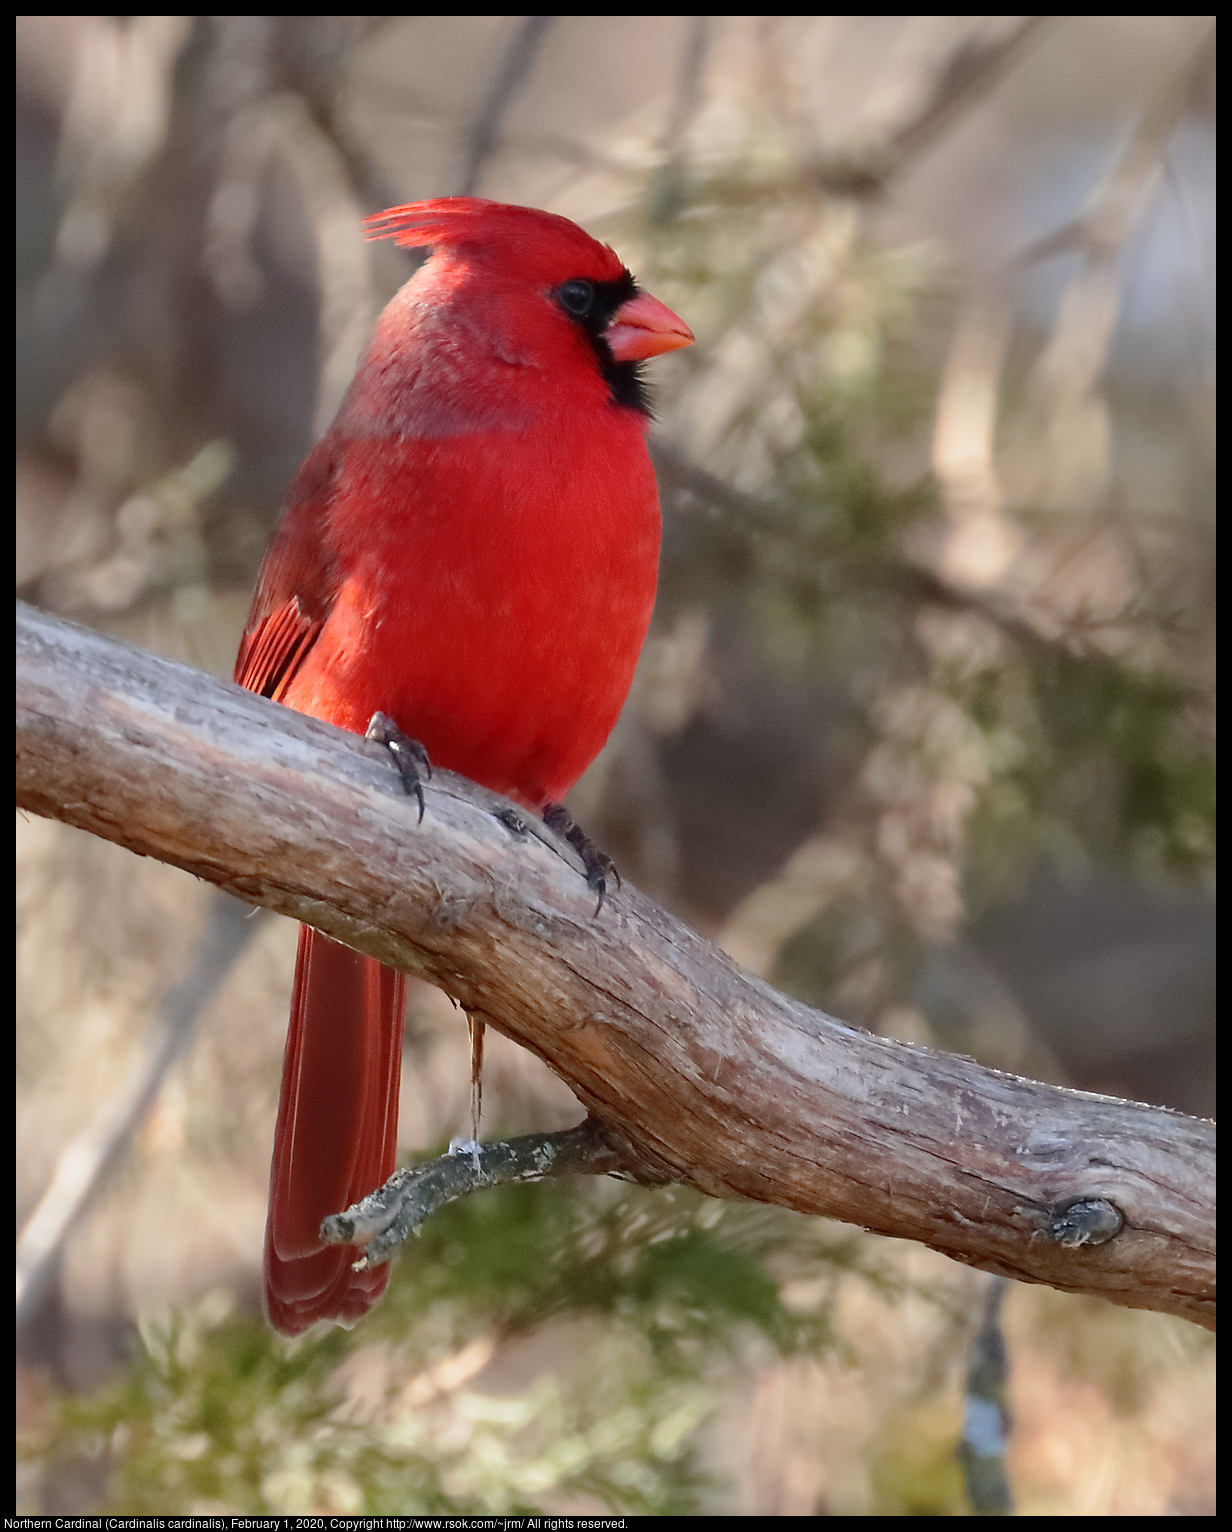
(273, 650)
(297, 585)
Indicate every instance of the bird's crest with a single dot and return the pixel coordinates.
(476, 224)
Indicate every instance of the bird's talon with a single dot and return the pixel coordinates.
(598, 865)
(409, 755)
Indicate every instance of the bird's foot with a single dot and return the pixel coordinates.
(409, 755)
(599, 866)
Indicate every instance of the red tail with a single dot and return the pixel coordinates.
(337, 1130)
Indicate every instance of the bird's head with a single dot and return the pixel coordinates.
(547, 270)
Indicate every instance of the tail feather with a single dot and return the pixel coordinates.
(337, 1129)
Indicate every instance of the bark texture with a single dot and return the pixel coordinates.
(696, 1070)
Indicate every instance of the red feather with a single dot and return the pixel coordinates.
(471, 549)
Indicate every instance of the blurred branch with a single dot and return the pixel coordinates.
(87, 1161)
(115, 122)
(688, 489)
(281, 127)
(689, 78)
(1074, 462)
(696, 1071)
(980, 541)
(972, 71)
(512, 73)
(1109, 218)
(316, 55)
(986, 1417)
(963, 79)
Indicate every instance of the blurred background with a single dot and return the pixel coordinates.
(924, 730)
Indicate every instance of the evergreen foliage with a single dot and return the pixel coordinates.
(217, 1413)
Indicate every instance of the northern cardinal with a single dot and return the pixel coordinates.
(467, 559)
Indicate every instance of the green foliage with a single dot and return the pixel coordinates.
(217, 1413)
(681, 1269)
(1093, 759)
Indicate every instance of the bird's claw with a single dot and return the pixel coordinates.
(599, 866)
(409, 755)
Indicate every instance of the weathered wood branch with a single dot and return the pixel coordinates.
(696, 1071)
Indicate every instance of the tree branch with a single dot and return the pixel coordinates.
(387, 1217)
(695, 1070)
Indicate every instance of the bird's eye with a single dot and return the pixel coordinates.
(576, 296)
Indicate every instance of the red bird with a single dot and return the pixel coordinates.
(470, 552)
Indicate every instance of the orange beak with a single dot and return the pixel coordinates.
(645, 327)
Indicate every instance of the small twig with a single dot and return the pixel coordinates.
(388, 1217)
(476, 1030)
